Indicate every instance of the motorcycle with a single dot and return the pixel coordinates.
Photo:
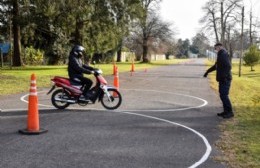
(72, 93)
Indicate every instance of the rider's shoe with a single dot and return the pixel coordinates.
(88, 95)
(83, 98)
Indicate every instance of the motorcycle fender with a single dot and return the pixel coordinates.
(53, 87)
(101, 95)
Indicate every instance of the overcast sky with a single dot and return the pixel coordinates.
(185, 14)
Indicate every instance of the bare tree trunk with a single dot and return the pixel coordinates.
(231, 52)
(145, 50)
(229, 45)
(119, 54)
(215, 27)
(222, 39)
(242, 42)
(252, 68)
(146, 6)
(250, 28)
(17, 39)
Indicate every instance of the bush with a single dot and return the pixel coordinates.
(252, 56)
(33, 56)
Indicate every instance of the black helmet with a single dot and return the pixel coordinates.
(78, 50)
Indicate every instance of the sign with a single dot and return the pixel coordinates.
(5, 47)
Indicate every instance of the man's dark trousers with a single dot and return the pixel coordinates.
(224, 87)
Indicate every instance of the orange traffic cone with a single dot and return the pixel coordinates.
(133, 67)
(116, 81)
(33, 127)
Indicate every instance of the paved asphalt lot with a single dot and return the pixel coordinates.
(167, 120)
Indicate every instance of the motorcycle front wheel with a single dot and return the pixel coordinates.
(113, 101)
(59, 99)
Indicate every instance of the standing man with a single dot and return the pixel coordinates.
(224, 77)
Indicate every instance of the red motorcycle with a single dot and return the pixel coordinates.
(70, 93)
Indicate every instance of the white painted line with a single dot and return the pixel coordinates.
(51, 106)
(43, 105)
(208, 147)
(167, 110)
(204, 102)
(130, 112)
(25, 109)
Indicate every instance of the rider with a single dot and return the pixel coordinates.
(76, 69)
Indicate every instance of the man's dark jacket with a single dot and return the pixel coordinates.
(223, 66)
(76, 69)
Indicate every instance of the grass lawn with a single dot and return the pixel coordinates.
(17, 80)
(240, 141)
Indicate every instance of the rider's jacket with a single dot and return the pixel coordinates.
(76, 67)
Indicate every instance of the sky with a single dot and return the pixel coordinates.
(185, 14)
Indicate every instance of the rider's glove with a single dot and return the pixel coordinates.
(96, 73)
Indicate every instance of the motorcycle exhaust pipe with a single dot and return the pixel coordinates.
(65, 100)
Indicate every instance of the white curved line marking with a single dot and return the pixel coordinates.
(23, 100)
(165, 110)
(208, 150)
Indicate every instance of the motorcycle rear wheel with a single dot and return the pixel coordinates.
(57, 98)
(114, 101)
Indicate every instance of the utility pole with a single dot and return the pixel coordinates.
(2, 59)
(242, 42)
(10, 41)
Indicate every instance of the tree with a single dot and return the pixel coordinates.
(147, 24)
(124, 11)
(151, 35)
(210, 18)
(11, 9)
(183, 48)
(252, 57)
(17, 61)
(228, 16)
(253, 25)
(55, 25)
(171, 48)
(219, 14)
(109, 24)
(200, 43)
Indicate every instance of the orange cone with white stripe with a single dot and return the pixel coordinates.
(33, 125)
(116, 81)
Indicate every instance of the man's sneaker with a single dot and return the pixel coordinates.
(228, 115)
(221, 114)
